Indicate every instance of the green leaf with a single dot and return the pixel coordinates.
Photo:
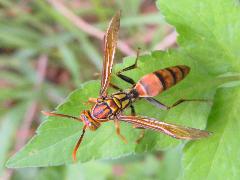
(56, 137)
(218, 156)
(208, 31)
(51, 173)
(209, 35)
(160, 166)
(89, 170)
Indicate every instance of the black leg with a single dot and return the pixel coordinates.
(132, 66)
(125, 78)
(133, 112)
(115, 87)
(165, 107)
(117, 127)
(188, 100)
(157, 103)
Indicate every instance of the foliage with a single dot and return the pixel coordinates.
(209, 35)
(30, 29)
(208, 43)
(102, 144)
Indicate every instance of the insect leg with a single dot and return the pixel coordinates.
(188, 100)
(92, 100)
(133, 113)
(74, 153)
(141, 133)
(140, 136)
(115, 87)
(125, 78)
(132, 66)
(117, 126)
(157, 103)
(165, 107)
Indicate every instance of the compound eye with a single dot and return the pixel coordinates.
(86, 120)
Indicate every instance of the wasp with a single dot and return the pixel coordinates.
(110, 107)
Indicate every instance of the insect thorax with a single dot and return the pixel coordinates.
(124, 99)
(111, 106)
(105, 109)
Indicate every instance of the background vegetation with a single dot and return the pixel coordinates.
(49, 48)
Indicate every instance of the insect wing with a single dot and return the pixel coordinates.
(110, 43)
(176, 131)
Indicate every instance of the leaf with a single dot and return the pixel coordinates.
(161, 166)
(89, 170)
(56, 137)
(158, 165)
(51, 173)
(209, 35)
(208, 31)
(220, 153)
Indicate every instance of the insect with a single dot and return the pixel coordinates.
(110, 107)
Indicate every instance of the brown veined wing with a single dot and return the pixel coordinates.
(176, 131)
(110, 43)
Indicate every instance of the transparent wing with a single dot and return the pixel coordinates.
(176, 131)
(110, 43)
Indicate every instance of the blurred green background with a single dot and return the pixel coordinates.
(47, 49)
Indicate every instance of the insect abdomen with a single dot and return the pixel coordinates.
(152, 84)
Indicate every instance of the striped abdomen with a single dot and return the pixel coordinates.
(152, 84)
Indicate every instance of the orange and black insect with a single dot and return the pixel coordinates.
(110, 107)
